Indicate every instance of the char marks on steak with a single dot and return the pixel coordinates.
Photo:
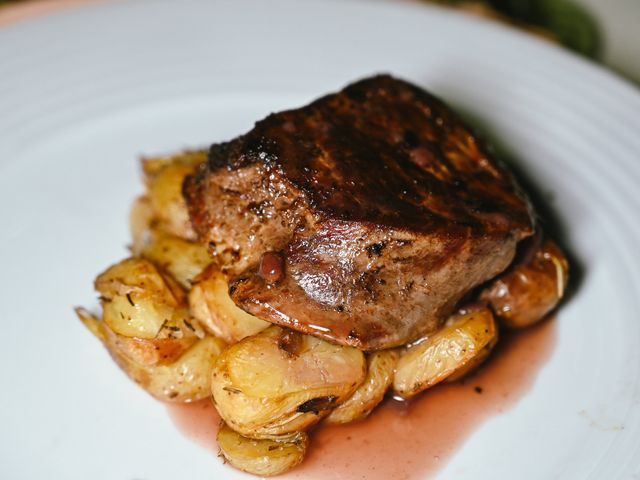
(377, 209)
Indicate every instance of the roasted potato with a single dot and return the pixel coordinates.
(472, 364)
(165, 176)
(531, 289)
(182, 259)
(261, 457)
(147, 312)
(211, 304)
(138, 300)
(152, 351)
(380, 368)
(152, 167)
(464, 341)
(279, 382)
(186, 379)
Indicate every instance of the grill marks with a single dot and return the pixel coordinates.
(383, 207)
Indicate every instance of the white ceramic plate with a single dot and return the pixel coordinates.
(84, 92)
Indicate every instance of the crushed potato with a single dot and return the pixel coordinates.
(380, 370)
(182, 259)
(211, 304)
(445, 353)
(138, 300)
(280, 382)
(164, 177)
(186, 379)
(261, 457)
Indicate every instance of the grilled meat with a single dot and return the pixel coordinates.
(363, 217)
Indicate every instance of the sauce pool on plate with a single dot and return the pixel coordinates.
(406, 440)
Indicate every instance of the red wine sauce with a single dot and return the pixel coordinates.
(407, 440)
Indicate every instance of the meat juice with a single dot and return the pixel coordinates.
(198, 421)
(407, 440)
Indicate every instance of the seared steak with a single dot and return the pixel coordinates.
(362, 218)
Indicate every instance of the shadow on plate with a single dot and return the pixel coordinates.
(542, 199)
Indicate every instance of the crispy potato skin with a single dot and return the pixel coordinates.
(161, 208)
(152, 167)
(261, 457)
(186, 379)
(278, 382)
(211, 304)
(138, 300)
(380, 370)
(164, 177)
(155, 351)
(182, 259)
(450, 351)
(148, 330)
(472, 364)
(527, 292)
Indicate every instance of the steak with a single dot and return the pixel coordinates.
(363, 217)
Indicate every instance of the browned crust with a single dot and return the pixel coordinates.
(385, 208)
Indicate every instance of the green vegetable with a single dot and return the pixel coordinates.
(570, 23)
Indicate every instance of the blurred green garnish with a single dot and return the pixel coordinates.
(564, 20)
(569, 22)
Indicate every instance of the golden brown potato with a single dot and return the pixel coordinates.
(472, 364)
(380, 368)
(280, 382)
(152, 351)
(139, 301)
(182, 259)
(211, 304)
(186, 379)
(530, 290)
(261, 457)
(447, 352)
(153, 166)
(164, 176)
(147, 312)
